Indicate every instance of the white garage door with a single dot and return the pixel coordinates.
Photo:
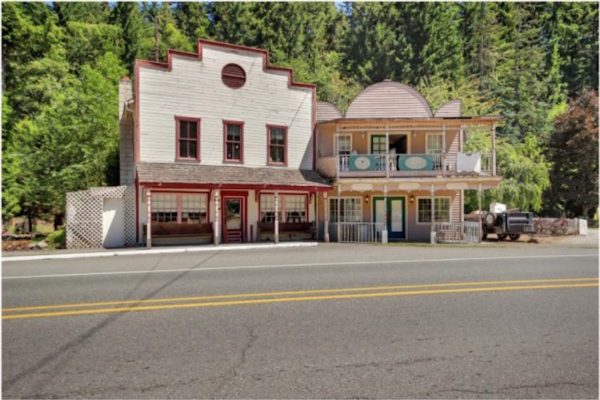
(113, 234)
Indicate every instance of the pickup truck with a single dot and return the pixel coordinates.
(506, 224)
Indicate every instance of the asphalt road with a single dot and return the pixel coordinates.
(333, 321)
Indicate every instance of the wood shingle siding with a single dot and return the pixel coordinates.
(389, 99)
(327, 111)
(227, 174)
(450, 109)
(193, 87)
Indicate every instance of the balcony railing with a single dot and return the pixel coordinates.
(405, 165)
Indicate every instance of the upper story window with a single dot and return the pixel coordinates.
(343, 144)
(188, 138)
(277, 145)
(435, 143)
(233, 138)
(233, 76)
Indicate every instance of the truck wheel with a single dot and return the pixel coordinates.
(502, 236)
(514, 236)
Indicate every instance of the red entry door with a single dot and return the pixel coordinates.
(233, 220)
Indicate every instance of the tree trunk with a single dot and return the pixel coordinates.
(30, 221)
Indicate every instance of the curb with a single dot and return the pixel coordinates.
(133, 252)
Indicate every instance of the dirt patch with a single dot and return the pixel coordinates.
(13, 245)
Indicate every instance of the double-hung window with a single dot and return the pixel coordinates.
(350, 209)
(233, 138)
(185, 208)
(343, 145)
(435, 147)
(442, 210)
(295, 208)
(188, 138)
(277, 145)
(292, 206)
(267, 208)
(193, 208)
(164, 207)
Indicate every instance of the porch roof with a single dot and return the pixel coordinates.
(195, 174)
(421, 183)
(489, 120)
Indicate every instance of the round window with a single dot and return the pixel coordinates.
(233, 76)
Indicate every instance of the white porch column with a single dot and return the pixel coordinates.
(443, 155)
(494, 150)
(387, 152)
(432, 233)
(217, 221)
(276, 197)
(149, 219)
(326, 223)
(384, 233)
(336, 151)
(479, 213)
(339, 228)
(316, 215)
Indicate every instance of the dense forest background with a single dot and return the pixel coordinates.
(536, 64)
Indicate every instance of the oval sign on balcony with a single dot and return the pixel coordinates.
(415, 162)
(360, 187)
(362, 163)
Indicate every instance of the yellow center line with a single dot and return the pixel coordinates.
(296, 299)
(293, 292)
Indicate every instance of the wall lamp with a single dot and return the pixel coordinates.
(412, 199)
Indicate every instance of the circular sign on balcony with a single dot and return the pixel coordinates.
(362, 163)
(415, 162)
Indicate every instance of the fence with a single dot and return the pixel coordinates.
(457, 232)
(358, 232)
(84, 216)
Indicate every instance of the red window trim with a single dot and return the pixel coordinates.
(178, 195)
(282, 203)
(285, 145)
(225, 159)
(178, 119)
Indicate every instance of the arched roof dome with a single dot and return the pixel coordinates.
(389, 99)
(327, 111)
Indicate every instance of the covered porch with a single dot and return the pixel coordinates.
(414, 209)
(203, 206)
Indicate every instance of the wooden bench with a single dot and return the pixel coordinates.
(287, 231)
(174, 233)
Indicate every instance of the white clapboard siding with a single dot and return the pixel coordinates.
(193, 88)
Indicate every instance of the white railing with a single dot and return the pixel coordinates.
(359, 232)
(457, 232)
(361, 163)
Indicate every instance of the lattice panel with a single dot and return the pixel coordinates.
(84, 215)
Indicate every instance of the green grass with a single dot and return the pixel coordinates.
(56, 239)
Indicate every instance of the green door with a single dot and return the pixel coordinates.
(393, 215)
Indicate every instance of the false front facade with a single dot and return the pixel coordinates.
(222, 148)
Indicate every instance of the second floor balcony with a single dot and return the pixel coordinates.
(406, 165)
